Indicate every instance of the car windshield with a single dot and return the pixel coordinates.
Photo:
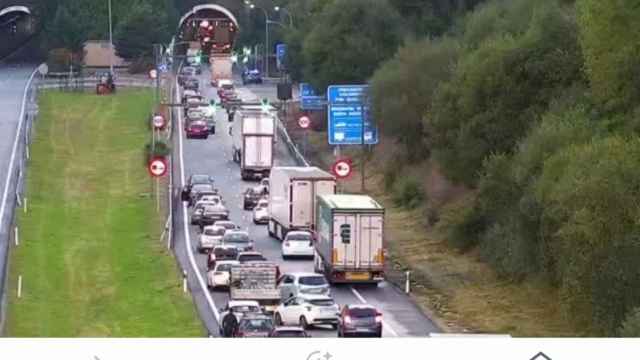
(245, 309)
(214, 232)
(197, 188)
(322, 302)
(236, 238)
(224, 268)
(200, 179)
(226, 225)
(312, 280)
(252, 257)
(263, 205)
(299, 237)
(262, 324)
(362, 312)
(225, 252)
(227, 87)
(209, 209)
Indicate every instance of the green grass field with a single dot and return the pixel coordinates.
(90, 253)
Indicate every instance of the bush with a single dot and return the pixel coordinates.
(409, 193)
(463, 224)
(161, 149)
(631, 325)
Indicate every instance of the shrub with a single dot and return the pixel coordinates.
(462, 223)
(631, 325)
(161, 149)
(408, 193)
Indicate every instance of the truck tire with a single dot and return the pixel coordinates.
(243, 175)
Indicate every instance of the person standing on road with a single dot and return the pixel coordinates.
(229, 323)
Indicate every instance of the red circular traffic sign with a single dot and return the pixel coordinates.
(304, 122)
(342, 168)
(158, 167)
(158, 122)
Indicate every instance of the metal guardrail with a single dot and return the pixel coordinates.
(91, 82)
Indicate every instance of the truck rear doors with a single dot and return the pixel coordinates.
(258, 151)
(303, 195)
(357, 240)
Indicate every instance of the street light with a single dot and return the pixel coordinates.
(110, 41)
(278, 8)
(266, 29)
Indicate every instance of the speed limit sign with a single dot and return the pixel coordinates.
(304, 122)
(342, 168)
(158, 122)
(158, 167)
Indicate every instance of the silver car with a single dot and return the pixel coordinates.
(295, 284)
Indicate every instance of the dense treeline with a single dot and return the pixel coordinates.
(533, 105)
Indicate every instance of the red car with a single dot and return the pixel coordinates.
(197, 129)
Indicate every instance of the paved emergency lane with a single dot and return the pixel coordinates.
(213, 157)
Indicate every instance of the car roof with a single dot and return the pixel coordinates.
(225, 82)
(289, 328)
(298, 232)
(249, 253)
(315, 297)
(304, 274)
(227, 262)
(361, 306)
(232, 303)
(231, 232)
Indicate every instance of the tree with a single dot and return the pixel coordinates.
(631, 325)
(135, 35)
(403, 90)
(67, 30)
(349, 40)
(500, 89)
(610, 38)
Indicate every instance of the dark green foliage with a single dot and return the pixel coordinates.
(499, 91)
(348, 41)
(409, 193)
(138, 31)
(631, 325)
(403, 89)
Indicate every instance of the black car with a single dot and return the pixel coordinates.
(251, 197)
(360, 320)
(251, 77)
(221, 253)
(186, 73)
(208, 214)
(191, 192)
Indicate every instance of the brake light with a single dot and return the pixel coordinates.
(378, 318)
(347, 319)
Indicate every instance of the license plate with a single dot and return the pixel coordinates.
(358, 276)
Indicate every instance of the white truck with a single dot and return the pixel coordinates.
(349, 240)
(255, 281)
(252, 147)
(221, 68)
(292, 198)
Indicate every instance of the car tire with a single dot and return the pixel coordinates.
(285, 257)
(278, 320)
(303, 323)
(213, 130)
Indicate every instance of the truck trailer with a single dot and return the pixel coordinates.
(349, 240)
(292, 198)
(255, 281)
(221, 68)
(253, 139)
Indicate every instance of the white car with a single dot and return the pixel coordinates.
(240, 309)
(297, 244)
(228, 225)
(210, 237)
(297, 284)
(214, 199)
(220, 276)
(307, 311)
(261, 212)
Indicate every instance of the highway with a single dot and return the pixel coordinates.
(13, 79)
(402, 318)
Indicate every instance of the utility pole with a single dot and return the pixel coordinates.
(110, 40)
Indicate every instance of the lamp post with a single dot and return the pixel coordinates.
(278, 9)
(266, 41)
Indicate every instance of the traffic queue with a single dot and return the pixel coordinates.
(343, 234)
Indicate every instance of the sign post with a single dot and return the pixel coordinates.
(304, 122)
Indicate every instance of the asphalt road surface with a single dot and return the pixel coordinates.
(213, 157)
(13, 79)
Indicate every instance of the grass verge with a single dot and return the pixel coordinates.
(90, 255)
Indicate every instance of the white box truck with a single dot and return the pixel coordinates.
(292, 198)
(221, 68)
(349, 239)
(252, 148)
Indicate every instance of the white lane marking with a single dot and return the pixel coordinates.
(187, 234)
(364, 301)
(3, 205)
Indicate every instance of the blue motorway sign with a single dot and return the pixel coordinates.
(348, 112)
(281, 54)
(309, 100)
